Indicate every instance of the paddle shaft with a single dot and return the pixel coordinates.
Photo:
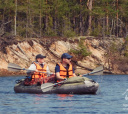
(18, 68)
(93, 72)
(96, 70)
(53, 84)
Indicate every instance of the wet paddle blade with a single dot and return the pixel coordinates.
(47, 87)
(98, 68)
(96, 71)
(14, 67)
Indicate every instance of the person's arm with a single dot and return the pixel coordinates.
(57, 73)
(48, 71)
(31, 69)
(74, 72)
(58, 76)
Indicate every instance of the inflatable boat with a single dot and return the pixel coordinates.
(74, 85)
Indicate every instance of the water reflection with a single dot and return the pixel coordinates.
(64, 96)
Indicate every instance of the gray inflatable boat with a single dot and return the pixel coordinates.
(74, 85)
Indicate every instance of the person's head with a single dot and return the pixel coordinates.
(40, 58)
(66, 58)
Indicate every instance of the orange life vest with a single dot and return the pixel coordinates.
(66, 73)
(39, 68)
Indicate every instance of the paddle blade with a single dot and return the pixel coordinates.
(47, 87)
(14, 67)
(98, 70)
(98, 73)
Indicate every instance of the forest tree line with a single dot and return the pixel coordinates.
(66, 18)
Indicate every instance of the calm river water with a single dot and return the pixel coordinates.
(111, 98)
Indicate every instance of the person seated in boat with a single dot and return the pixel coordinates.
(38, 69)
(64, 69)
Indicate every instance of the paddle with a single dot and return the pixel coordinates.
(48, 86)
(15, 68)
(96, 71)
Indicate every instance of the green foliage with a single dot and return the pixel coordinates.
(126, 54)
(21, 31)
(113, 48)
(125, 45)
(82, 51)
(97, 31)
(69, 33)
(50, 32)
(62, 17)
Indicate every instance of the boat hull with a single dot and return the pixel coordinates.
(85, 87)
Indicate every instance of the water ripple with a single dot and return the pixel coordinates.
(108, 100)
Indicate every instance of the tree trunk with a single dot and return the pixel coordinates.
(55, 21)
(27, 18)
(89, 5)
(74, 23)
(117, 18)
(2, 26)
(107, 22)
(15, 17)
(40, 18)
(81, 33)
(46, 19)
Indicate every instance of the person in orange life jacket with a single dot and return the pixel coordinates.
(38, 65)
(64, 69)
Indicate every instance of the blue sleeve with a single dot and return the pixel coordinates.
(73, 70)
(57, 68)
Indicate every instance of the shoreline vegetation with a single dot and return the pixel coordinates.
(115, 52)
(97, 31)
